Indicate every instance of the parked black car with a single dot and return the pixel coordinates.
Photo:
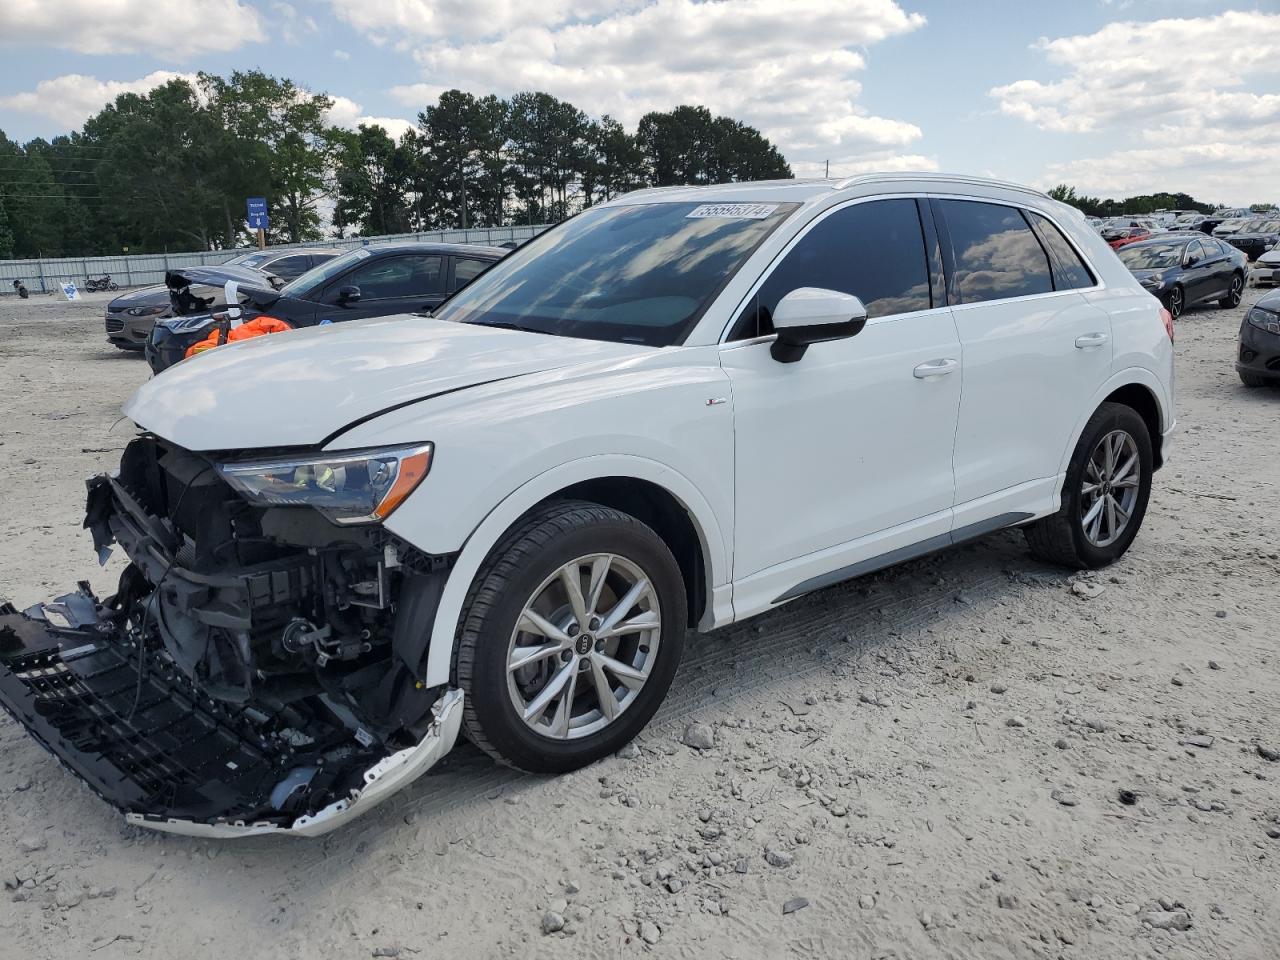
(1256, 237)
(131, 315)
(1258, 351)
(1182, 270)
(373, 281)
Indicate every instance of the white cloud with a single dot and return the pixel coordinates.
(341, 55)
(787, 67)
(165, 29)
(73, 98)
(1174, 93)
(401, 21)
(345, 112)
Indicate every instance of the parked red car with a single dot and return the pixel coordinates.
(1117, 237)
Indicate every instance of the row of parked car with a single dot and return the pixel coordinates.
(300, 288)
(1255, 234)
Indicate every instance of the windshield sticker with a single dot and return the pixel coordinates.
(732, 211)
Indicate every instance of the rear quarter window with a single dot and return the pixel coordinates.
(1069, 271)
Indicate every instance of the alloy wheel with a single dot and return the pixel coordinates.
(1109, 489)
(583, 646)
(1236, 293)
(1175, 302)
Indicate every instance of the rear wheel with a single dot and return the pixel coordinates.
(1105, 495)
(572, 634)
(1235, 293)
(1176, 302)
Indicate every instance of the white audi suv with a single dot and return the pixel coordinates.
(687, 406)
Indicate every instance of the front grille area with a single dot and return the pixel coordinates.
(114, 325)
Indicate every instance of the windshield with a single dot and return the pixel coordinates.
(1231, 226)
(1265, 226)
(313, 279)
(641, 273)
(1152, 256)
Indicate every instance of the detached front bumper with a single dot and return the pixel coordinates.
(145, 739)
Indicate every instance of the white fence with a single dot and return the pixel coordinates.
(135, 270)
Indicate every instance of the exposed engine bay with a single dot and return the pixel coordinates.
(255, 666)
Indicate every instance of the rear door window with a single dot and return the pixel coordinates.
(1069, 271)
(466, 269)
(290, 267)
(873, 250)
(996, 254)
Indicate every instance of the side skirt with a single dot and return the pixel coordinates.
(902, 554)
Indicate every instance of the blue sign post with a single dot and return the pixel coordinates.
(256, 210)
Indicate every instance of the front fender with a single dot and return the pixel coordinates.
(499, 520)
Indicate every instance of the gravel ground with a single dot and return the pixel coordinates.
(922, 763)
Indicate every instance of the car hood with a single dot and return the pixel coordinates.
(1270, 302)
(304, 387)
(143, 296)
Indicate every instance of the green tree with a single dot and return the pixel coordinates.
(6, 234)
(688, 145)
(373, 178)
(283, 143)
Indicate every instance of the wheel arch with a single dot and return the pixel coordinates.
(1139, 389)
(653, 492)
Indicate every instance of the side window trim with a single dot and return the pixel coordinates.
(938, 295)
(767, 270)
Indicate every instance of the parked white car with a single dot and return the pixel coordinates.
(678, 409)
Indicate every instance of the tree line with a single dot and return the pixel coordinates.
(170, 169)
(1143, 203)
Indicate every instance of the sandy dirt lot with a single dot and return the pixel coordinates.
(923, 763)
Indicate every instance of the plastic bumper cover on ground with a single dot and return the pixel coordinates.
(154, 748)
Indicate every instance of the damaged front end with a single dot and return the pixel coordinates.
(260, 667)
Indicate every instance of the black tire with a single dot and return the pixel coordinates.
(1176, 301)
(1252, 379)
(113, 287)
(1060, 538)
(1235, 293)
(530, 552)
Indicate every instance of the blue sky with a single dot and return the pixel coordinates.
(1118, 97)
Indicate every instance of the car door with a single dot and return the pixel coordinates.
(845, 454)
(397, 283)
(1034, 350)
(1197, 275)
(1218, 268)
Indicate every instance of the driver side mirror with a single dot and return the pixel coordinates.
(809, 315)
(1190, 261)
(349, 294)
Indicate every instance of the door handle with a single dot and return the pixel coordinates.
(1092, 340)
(935, 368)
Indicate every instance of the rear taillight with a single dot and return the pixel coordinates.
(1167, 317)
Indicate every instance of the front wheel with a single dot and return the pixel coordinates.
(1104, 498)
(1235, 293)
(113, 287)
(1175, 302)
(572, 634)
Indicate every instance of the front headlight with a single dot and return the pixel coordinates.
(358, 486)
(147, 311)
(1264, 319)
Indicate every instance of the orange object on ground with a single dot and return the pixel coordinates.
(257, 327)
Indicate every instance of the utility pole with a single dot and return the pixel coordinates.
(827, 169)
